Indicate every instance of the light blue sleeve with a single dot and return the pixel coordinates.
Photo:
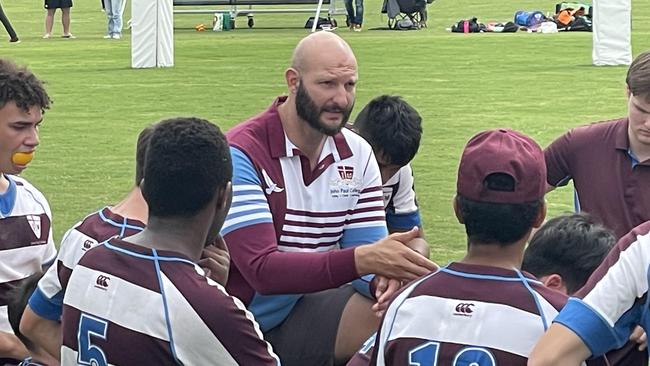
(249, 204)
(360, 236)
(594, 330)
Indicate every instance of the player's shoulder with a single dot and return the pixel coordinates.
(359, 146)
(598, 132)
(25, 187)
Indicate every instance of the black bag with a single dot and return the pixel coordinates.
(471, 25)
(321, 21)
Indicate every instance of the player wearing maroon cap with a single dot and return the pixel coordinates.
(481, 310)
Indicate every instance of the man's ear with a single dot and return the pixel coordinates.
(292, 77)
(459, 217)
(555, 282)
(225, 196)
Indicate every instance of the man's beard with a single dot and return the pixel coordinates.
(308, 111)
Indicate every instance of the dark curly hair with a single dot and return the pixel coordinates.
(392, 127)
(21, 86)
(187, 160)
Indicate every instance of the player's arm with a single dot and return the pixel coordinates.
(12, 347)
(251, 239)
(41, 321)
(43, 332)
(604, 319)
(404, 212)
(559, 159)
(559, 346)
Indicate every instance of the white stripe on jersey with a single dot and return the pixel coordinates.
(285, 248)
(86, 297)
(490, 325)
(625, 281)
(19, 263)
(312, 230)
(333, 219)
(314, 241)
(250, 217)
(4, 320)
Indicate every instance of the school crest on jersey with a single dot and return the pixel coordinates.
(346, 184)
(34, 222)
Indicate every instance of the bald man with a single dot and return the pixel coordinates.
(306, 229)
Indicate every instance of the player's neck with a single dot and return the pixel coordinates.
(309, 140)
(133, 206)
(494, 255)
(4, 183)
(183, 236)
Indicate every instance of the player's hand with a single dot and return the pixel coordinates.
(390, 257)
(215, 261)
(385, 288)
(640, 337)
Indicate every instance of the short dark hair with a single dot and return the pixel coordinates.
(21, 86)
(141, 152)
(392, 127)
(638, 76)
(18, 299)
(497, 223)
(572, 246)
(188, 159)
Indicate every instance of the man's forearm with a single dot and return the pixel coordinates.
(11, 347)
(45, 333)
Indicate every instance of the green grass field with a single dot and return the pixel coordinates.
(461, 84)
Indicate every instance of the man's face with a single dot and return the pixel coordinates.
(18, 133)
(325, 100)
(639, 117)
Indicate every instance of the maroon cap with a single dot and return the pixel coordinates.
(502, 151)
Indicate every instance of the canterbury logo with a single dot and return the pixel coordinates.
(103, 281)
(464, 308)
(271, 186)
(88, 244)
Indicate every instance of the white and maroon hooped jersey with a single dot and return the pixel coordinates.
(47, 299)
(464, 315)
(26, 244)
(130, 305)
(290, 229)
(402, 212)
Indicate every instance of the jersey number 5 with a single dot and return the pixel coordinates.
(90, 354)
(427, 355)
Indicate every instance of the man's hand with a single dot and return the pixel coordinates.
(391, 258)
(215, 260)
(385, 288)
(640, 337)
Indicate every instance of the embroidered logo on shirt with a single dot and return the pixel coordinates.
(102, 282)
(346, 185)
(271, 186)
(35, 223)
(464, 309)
